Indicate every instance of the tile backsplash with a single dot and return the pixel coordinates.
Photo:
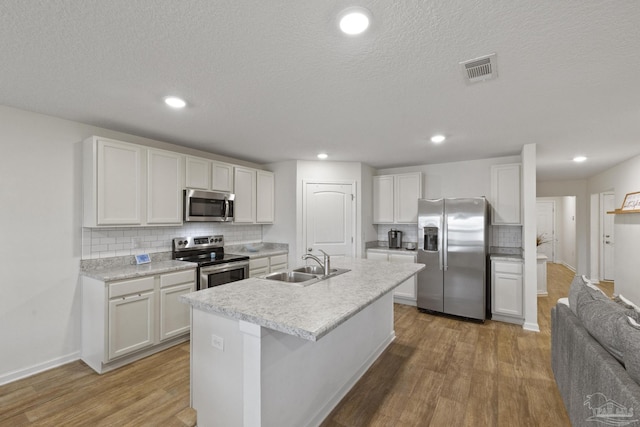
(506, 236)
(122, 241)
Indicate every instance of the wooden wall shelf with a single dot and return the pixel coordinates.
(620, 211)
(631, 204)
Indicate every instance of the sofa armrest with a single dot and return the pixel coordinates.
(586, 374)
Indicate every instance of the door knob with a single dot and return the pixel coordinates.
(309, 249)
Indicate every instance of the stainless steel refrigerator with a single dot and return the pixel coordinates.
(452, 235)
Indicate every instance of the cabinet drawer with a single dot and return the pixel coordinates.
(279, 259)
(131, 287)
(508, 267)
(258, 272)
(178, 277)
(256, 263)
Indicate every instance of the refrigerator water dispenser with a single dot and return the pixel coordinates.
(431, 239)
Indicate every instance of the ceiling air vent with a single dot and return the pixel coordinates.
(480, 69)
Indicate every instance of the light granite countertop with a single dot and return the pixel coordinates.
(121, 272)
(308, 312)
(258, 250)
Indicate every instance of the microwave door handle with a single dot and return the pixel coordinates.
(226, 209)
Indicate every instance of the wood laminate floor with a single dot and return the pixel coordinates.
(445, 372)
(438, 372)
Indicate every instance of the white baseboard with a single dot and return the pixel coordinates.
(568, 266)
(533, 327)
(40, 367)
(406, 301)
(543, 294)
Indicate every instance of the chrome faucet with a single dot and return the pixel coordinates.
(325, 263)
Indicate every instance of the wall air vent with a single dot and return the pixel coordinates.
(480, 69)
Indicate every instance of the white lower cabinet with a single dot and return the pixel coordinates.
(506, 291)
(406, 292)
(267, 264)
(131, 323)
(126, 320)
(174, 319)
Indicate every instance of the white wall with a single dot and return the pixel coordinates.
(41, 191)
(624, 178)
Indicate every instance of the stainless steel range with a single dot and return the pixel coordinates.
(215, 267)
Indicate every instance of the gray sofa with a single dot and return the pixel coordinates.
(596, 388)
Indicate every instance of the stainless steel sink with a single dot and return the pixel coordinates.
(316, 269)
(313, 269)
(291, 276)
(303, 275)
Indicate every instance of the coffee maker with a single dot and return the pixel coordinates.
(395, 239)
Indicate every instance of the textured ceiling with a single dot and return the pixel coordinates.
(274, 80)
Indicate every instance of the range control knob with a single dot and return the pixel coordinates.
(180, 243)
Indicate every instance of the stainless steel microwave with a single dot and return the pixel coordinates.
(207, 206)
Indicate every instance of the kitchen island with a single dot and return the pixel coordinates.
(268, 353)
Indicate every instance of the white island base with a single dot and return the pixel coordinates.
(262, 377)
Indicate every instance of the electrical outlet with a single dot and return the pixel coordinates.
(217, 342)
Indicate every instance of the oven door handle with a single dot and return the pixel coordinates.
(221, 268)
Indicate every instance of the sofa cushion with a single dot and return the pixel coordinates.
(581, 285)
(634, 310)
(629, 338)
(601, 318)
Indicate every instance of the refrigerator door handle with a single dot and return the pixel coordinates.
(445, 241)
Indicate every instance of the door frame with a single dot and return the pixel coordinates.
(601, 269)
(354, 212)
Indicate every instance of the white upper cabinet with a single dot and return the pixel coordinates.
(265, 196)
(383, 199)
(133, 185)
(112, 183)
(165, 172)
(128, 184)
(244, 205)
(506, 194)
(408, 189)
(221, 176)
(395, 198)
(207, 174)
(255, 193)
(198, 173)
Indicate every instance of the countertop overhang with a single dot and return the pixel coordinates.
(307, 312)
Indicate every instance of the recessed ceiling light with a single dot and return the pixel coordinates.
(175, 102)
(354, 20)
(437, 139)
(323, 156)
(579, 159)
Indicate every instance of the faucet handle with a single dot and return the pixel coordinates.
(325, 254)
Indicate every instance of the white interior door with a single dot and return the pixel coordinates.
(608, 237)
(329, 219)
(546, 227)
